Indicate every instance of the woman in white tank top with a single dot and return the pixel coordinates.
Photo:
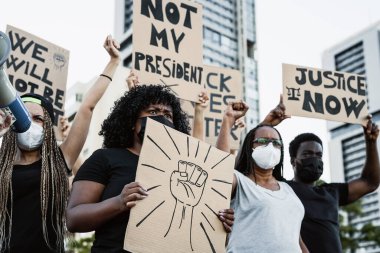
(268, 214)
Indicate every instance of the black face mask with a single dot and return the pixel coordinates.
(310, 169)
(158, 118)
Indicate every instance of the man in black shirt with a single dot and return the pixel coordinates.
(320, 226)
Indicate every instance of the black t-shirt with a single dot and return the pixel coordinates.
(114, 168)
(26, 234)
(320, 226)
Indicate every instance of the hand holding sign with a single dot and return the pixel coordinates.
(131, 193)
(371, 130)
(202, 104)
(132, 79)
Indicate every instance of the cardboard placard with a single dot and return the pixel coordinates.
(168, 45)
(223, 86)
(324, 94)
(188, 182)
(38, 66)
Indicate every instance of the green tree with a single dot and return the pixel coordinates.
(351, 236)
(82, 245)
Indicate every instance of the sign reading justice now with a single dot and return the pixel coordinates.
(324, 94)
(168, 45)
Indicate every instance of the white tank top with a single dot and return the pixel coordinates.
(266, 221)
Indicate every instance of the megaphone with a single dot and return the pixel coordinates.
(8, 95)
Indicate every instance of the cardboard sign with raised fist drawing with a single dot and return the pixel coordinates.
(188, 182)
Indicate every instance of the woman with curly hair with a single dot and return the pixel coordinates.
(104, 189)
(34, 170)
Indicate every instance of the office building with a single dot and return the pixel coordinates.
(359, 54)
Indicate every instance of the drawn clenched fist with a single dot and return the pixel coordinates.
(187, 183)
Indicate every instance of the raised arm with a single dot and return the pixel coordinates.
(370, 177)
(76, 138)
(198, 126)
(276, 115)
(233, 112)
(65, 128)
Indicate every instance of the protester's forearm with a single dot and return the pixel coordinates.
(88, 217)
(371, 170)
(97, 90)
(111, 67)
(198, 128)
(223, 141)
(76, 138)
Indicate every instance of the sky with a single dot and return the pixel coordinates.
(288, 31)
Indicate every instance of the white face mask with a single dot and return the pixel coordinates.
(266, 157)
(32, 138)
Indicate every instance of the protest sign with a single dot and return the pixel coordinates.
(38, 66)
(223, 86)
(168, 45)
(188, 182)
(324, 94)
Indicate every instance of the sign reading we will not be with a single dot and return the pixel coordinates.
(324, 94)
(38, 66)
(168, 45)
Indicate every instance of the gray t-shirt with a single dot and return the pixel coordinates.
(266, 221)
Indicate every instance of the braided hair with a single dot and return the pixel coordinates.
(54, 186)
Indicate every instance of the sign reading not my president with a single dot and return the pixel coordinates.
(168, 45)
(324, 94)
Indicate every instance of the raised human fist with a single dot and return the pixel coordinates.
(187, 183)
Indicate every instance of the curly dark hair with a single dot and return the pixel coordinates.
(245, 162)
(117, 129)
(296, 142)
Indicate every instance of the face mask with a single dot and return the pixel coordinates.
(159, 118)
(266, 157)
(310, 169)
(32, 138)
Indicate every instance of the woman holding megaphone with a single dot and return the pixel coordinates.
(34, 169)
